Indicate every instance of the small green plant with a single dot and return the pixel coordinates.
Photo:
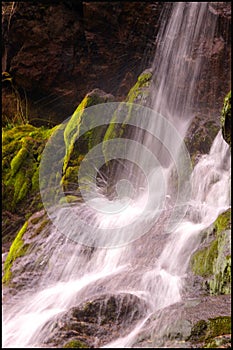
(21, 115)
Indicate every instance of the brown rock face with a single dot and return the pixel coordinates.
(56, 52)
(215, 82)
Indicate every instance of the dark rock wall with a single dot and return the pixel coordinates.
(215, 80)
(59, 51)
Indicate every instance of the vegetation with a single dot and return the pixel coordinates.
(207, 331)
(17, 249)
(74, 344)
(21, 152)
(139, 95)
(213, 262)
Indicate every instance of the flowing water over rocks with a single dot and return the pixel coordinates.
(135, 294)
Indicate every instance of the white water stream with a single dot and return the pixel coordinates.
(153, 267)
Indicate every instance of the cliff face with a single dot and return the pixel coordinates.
(59, 51)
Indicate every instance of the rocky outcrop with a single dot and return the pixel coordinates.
(138, 94)
(78, 142)
(15, 275)
(57, 52)
(23, 146)
(212, 261)
(96, 322)
(211, 88)
(194, 323)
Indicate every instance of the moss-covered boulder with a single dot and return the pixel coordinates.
(138, 94)
(226, 119)
(21, 156)
(22, 147)
(213, 261)
(78, 142)
(205, 333)
(75, 344)
(29, 253)
(17, 249)
(74, 127)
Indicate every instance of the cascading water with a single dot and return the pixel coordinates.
(152, 267)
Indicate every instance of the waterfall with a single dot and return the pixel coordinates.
(151, 267)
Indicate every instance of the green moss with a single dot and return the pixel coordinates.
(223, 222)
(75, 344)
(71, 175)
(35, 179)
(140, 91)
(22, 146)
(202, 261)
(77, 122)
(72, 130)
(17, 249)
(69, 199)
(223, 341)
(213, 263)
(18, 160)
(206, 330)
(226, 119)
(137, 95)
(221, 281)
(218, 326)
(145, 77)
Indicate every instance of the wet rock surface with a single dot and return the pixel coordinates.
(188, 324)
(56, 71)
(96, 321)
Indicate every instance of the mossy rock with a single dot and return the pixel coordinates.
(28, 254)
(22, 146)
(223, 222)
(74, 128)
(203, 260)
(213, 262)
(75, 344)
(221, 341)
(205, 331)
(80, 136)
(17, 249)
(226, 119)
(139, 94)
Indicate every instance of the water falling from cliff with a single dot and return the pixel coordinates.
(153, 267)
